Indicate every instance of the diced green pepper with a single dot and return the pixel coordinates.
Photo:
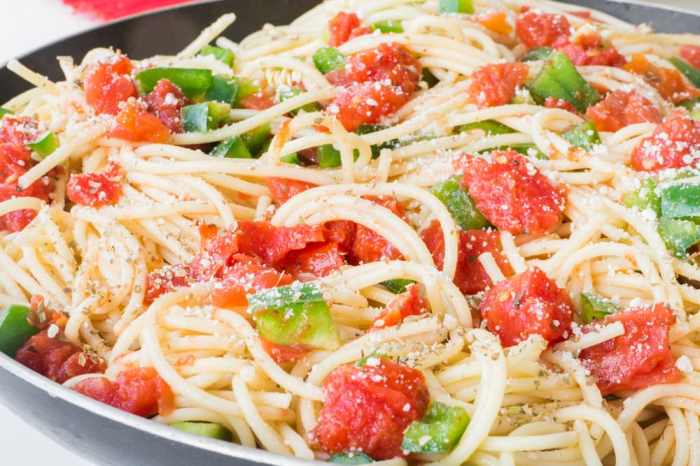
(193, 82)
(490, 127)
(584, 136)
(644, 198)
(204, 429)
(233, 148)
(285, 93)
(377, 148)
(223, 89)
(15, 328)
(560, 79)
(398, 285)
(291, 159)
(220, 53)
(540, 53)
(246, 87)
(438, 431)
(350, 458)
(693, 106)
(388, 25)
(680, 201)
(257, 139)
(528, 150)
(44, 144)
(295, 314)
(461, 207)
(456, 6)
(328, 156)
(200, 118)
(4, 111)
(689, 71)
(594, 307)
(328, 59)
(429, 78)
(679, 235)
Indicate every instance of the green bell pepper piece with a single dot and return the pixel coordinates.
(246, 87)
(680, 201)
(689, 71)
(223, 55)
(644, 198)
(256, 139)
(584, 136)
(200, 118)
(528, 150)
(438, 431)
(15, 328)
(4, 111)
(285, 93)
(429, 78)
(388, 25)
(377, 148)
(223, 90)
(204, 429)
(295, 314)
(540, 53)
(233, 148)
(398, 285)
(459, 203)
(192, 82)
(560, 79)
(328, 156)
(490, 127)
(456, 6)
(44, 144)
(291, 159)
(327, 59)
(679, 235)
(594, 307)
(350, 458)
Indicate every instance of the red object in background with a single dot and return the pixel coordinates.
(109, 10)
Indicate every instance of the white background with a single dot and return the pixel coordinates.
(25, 25)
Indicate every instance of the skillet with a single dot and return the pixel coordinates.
(99, 432)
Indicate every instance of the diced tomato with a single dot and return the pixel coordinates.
(17, 220)
(368, 408)
(527, 304)
(470, 276)
(96, 189)
(589, 49)
(675, 143)
(668, 81)
(166, 279)
(134, 123)
(166, 101)
(271, 243)
(18, 131)
(207, 234)
(622, 108)
(318, 260)
(261, 100)
(370, 246)
(57, 359)
(108, 84)
(283, 354)
(250, 273)
(345, 26)
(494, 85)
(553, 102)
(511, 193)
(374, 84)
(139, 391)
(541, 29)
(229, 295)
(497, 22)
(408, 303)
(283, 189)
(342, 233)
(691, 54)
(639, 358)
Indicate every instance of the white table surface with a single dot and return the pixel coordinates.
(26, 25)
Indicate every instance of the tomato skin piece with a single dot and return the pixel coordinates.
(109, 84)
(527, 304)
(639, 358)
(367, 408)
(691, 54)
(495, 85)
(669, 82)
(541, 29)
(96, 189)
(622, 108)
(408, 303)
(283, 189)
(136, 124)
(369, 246)
(165, 101)
(671, 145)
(512, 194)
(318, 260)
(283, 354)
(343, 27)
(271, 243)
(470, 276)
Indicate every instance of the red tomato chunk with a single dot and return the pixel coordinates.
(541, 29)
(527, 304)
(271, 243)
(691, 54)
(139, 391)
(589, 49)
(668, 81)
(316, 260)
(283, 189)
(512, 194)
(368, 245)
(108, 84)
(494, 85)
(134, 123)
(345, 26)
(408, 303)
(675, 143)
(639, 358)
(165, 101)
(283, 354)
(96, 189)
(622, 108)
(367, 408)
(470, 277)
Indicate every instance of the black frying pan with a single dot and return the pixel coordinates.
(106, 435)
